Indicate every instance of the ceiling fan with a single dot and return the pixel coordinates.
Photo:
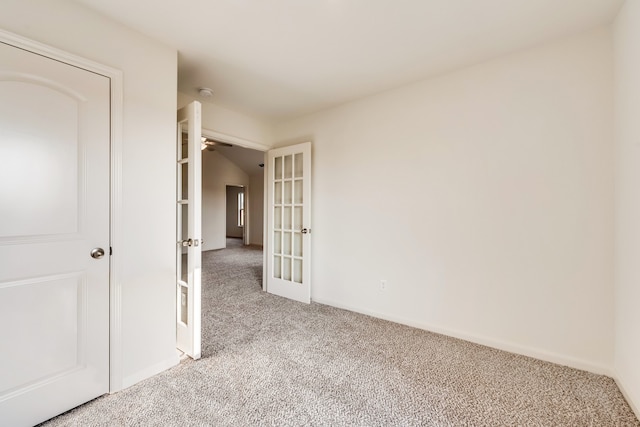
(211, 144)
(208, 143)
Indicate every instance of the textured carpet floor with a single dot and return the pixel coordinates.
(270, 361)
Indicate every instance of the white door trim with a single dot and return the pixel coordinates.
(116, 109)
(235, 140)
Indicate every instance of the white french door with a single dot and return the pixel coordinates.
(189, 234)
(54, 236)
(289, 222)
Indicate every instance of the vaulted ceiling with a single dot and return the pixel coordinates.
(278, 59)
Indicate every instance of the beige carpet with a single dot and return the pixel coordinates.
(274, 362)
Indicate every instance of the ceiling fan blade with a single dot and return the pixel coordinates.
(210, 143)
(213, 142)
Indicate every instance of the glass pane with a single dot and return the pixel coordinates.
(287, 218)
(277, 242)
(277, 218)
(298, 165)
(183, 234)
(288, 167)
(184, 186)
(286, 244)
(184, 221)
(297, 198)
(288, 197)
(184, 306)
(286, 267)
(183, 268)
(277, 193)
(297, 270)
(297, 244)
(277, 271)
(277, 170)
(184, 147)
(297, 218)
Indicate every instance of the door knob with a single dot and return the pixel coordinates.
(97, 253)
(305, 230)
(186, 242)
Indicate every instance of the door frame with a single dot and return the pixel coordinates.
(245, 206)
(115, 198)
(244, 143)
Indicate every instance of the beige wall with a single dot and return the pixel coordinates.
(146, 253)
(217, 173)
(627, 197)
(504, 177)
(228, 122)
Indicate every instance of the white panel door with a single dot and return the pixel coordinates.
(54, 214)
(189, 211)
(289, 222)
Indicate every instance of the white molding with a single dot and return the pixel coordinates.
(150, 371)
(628, 396)
(235, 140)
(116, 110)
(115, 298)
(265, 223)
(535, 353)
(246, 231)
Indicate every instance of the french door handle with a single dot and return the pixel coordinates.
(305, 230)
(187, 242)
(191, 242)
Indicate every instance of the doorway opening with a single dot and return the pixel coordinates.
(236, 215)
(232, 195)
(232, 220)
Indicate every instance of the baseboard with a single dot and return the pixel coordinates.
(633, 403)
(150, 371)
(483, 340)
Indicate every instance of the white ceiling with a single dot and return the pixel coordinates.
(278, 59)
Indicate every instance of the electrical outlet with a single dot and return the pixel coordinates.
(383, 285)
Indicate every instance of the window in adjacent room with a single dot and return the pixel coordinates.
(241, 209)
